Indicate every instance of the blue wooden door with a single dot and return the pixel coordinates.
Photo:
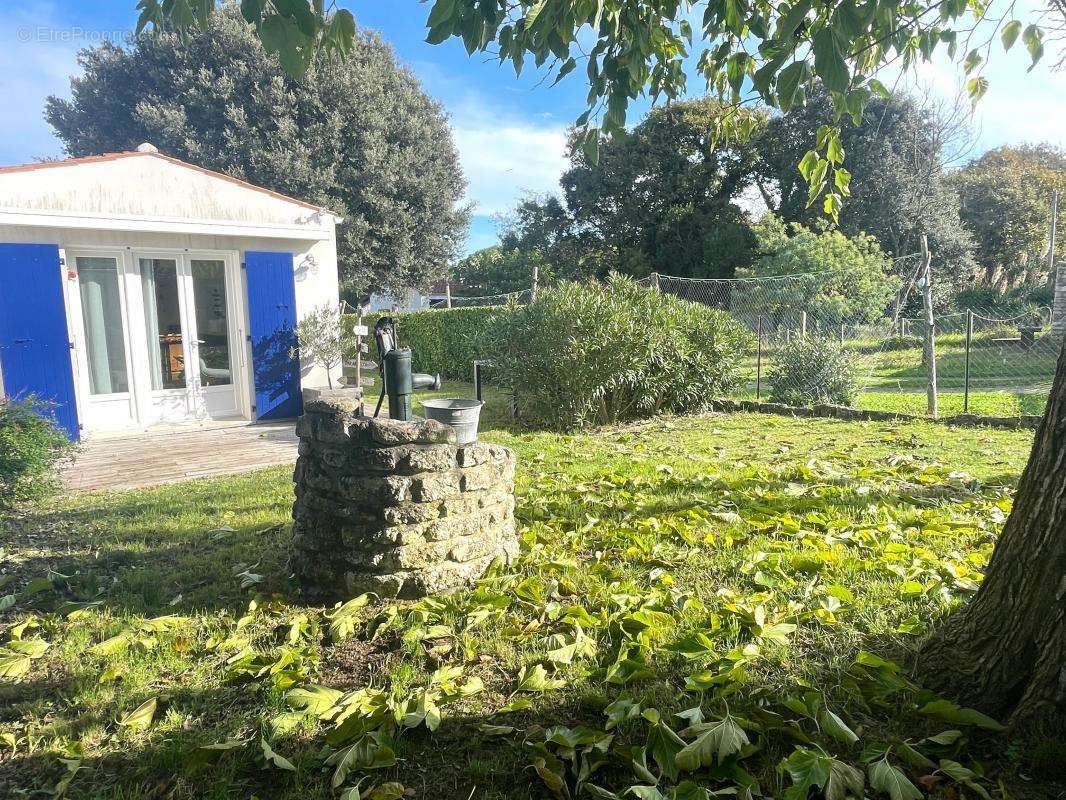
(34, 345)
(272, 324)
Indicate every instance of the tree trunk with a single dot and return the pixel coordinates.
(1004, 652)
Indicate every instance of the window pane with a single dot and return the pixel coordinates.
(102, 312)
(162, 319)
(212, 322)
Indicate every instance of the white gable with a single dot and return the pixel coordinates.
(148, 186)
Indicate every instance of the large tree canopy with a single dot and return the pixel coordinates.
(1006, 204)
(663, 198)
(775, 51)
(899, 188)
(358, 136)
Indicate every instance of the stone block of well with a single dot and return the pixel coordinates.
(396, 508)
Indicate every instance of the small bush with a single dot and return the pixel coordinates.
(30, 446)
(444, 340)
(589, 353)
(811, 371)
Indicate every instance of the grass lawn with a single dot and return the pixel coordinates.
(766, 578)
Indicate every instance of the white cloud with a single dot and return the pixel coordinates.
(505, 157)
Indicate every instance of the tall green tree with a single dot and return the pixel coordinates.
(632, 48)
(358, 136)
(846, 279)
(900, 189)
(1006, 205)
(665, 196)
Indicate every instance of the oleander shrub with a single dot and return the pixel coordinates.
(810, 371)
(592, 353)
(31, 444)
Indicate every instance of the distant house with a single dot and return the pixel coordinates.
(414, 299)
(137, 290)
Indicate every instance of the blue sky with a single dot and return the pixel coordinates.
(510, 131)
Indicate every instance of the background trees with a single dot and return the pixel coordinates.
(664, 196)
(1006, 204)
(356, 135)
(860, 284)
(900, 191)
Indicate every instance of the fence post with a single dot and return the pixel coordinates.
(655, 281)
(966, 379)
(929, 348)
(841, 334)
(758, 365)
(803, 325)
(448, 293)
(535, 285)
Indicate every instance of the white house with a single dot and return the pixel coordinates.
(139, 290)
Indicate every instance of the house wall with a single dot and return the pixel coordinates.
(315, 265)
(144, 185)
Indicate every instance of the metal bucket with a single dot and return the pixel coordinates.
(459, 414)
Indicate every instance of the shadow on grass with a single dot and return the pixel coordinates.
(458, 761)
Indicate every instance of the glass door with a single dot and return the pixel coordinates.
(214, 365)
(167, 339)
(103, 358)
(188, 334)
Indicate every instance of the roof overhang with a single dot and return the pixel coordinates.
(320, 225)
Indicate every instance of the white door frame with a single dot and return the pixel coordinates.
(140, 395)
(102, 411)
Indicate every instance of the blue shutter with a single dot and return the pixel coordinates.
(34, 345)
(272, 322)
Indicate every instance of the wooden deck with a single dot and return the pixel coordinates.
(179, 454)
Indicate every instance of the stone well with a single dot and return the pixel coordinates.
(396, 508)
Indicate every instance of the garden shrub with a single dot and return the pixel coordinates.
(588, 353)
(444, 340)
(809, 371)
(30, 445)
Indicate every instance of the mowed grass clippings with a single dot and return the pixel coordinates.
(714, 604)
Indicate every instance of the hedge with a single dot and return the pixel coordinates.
(444, 340)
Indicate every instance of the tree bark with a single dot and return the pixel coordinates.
(1004, 652)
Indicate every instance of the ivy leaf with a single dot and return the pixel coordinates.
(343, 618)
(552, 778)
(210, 753)
(387, 791)
(837, 728)
(952, 712)
(808, 769)
(313, 699)
(13, 665)
(1009, 34)
(976, 88)
(790, 83)
(141, 717)
(621, 710)
(829, 63)
(1033, 39)
(663, 744)
(844, 781)
(277, 760)
(889, 779)
(715, 741)
(282, 36)
(534, 678)
(963, 775)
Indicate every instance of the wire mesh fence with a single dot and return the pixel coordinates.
(809, 345)
(510, 298)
